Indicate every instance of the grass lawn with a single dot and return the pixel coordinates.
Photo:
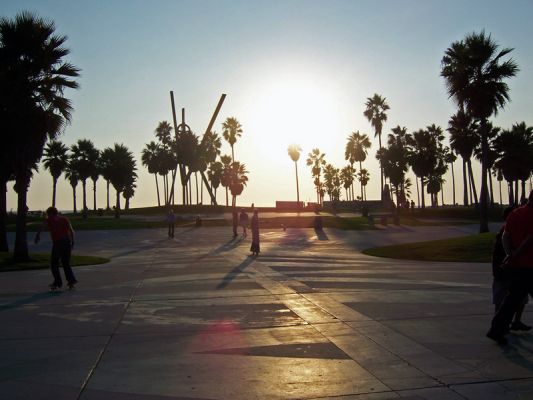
(474, 248)
(42, 261)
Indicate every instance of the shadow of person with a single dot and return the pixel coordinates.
(29, 300)
(235, 272)
(518, 345)
(321, 235)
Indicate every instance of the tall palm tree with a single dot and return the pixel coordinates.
(346, 176)
(214, 174)
(129, 191)
(225, 179)
(315, 160)
(33, 79)
(357, 150)
(238, 180)
(474, 72)
(149, 158)
(55, 160)
(71, 173)
(294, 153)
(463, 139)
(450, 159)
(122, 171)
(375, 112)
(84, 157)
(364, 177)
(6, 174)
(106, 166)
(231, 131)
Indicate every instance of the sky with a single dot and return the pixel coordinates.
(293, 71)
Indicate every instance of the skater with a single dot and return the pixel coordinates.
(501, 282)
(517, 241)
(171, 220)
(63, 240)
(243, 221)
(255, 248)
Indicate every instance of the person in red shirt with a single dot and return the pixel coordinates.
(518, 244)
(63, 240)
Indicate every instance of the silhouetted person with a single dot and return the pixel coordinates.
(254, 226)
(243, 221)
(171, 221)
(198, 222)
(63, 240)
(235, 222)
(501, 283)
(412, 205)
(517, 242)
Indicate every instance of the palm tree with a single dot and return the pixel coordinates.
(84, 157)
(231, 130)
(214, 174)
(294, 153)
(33, 79)
(150, 160)
(375, 112)
(238, 180)
(129, 191)
(6, 174)
(356, 151)
(55, 160)
(71, 173)
(332, 182)
(474, 73)
(315, 159)
(122, 171)
(364, 177)
(106, 166)
(225, 179)
(463, 139)
(450, 159)
(347, 177)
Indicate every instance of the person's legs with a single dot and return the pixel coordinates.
(54, 264)
(65, 261)
(517, 324)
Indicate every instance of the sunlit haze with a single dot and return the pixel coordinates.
(293, 71)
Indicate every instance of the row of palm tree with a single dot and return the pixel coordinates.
(83, 161)
(187, 153)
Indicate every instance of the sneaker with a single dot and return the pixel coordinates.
(71, 285)
(520, 326)
(53, 287)
(498, 338)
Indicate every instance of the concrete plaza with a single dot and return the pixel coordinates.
(195, 317)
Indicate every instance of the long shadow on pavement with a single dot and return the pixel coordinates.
(234, 272)
(28, 300)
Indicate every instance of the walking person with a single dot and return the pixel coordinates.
(63, 240)
(517, 242)
(243, 221)
(254, 226)
(171, 221)
(501, 281)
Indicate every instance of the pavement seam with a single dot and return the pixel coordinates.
(110, 338)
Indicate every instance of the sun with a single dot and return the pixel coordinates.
(292, 110)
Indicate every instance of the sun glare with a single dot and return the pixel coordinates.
(292, 112)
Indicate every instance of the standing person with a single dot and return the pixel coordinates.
(517, 239)
(171, 220)
(501, 281)
(63, 240)
(235, 222)
(254, 248)
(243, 221)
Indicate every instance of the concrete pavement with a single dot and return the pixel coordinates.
(195, 317)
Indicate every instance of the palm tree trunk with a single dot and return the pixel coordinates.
(227, 204)
(524, 196)
(232, 155)
(422, 192)
(489, 176)
(500, 187)
(417, 192)
(517, 202)
(297, 186)
(127, 205)
(472, 182)
(453, 184)
(54, 184)
(83, 184)
(465, 184)
(483, 215)
(381, 171)
(165, 189)
(442, 193)
(117, 206)
(74, 198)
(196, 186)
(107, 185)
(21, 241)
(157, 189)
(510, 192)
(94, 195)
(3, 216)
